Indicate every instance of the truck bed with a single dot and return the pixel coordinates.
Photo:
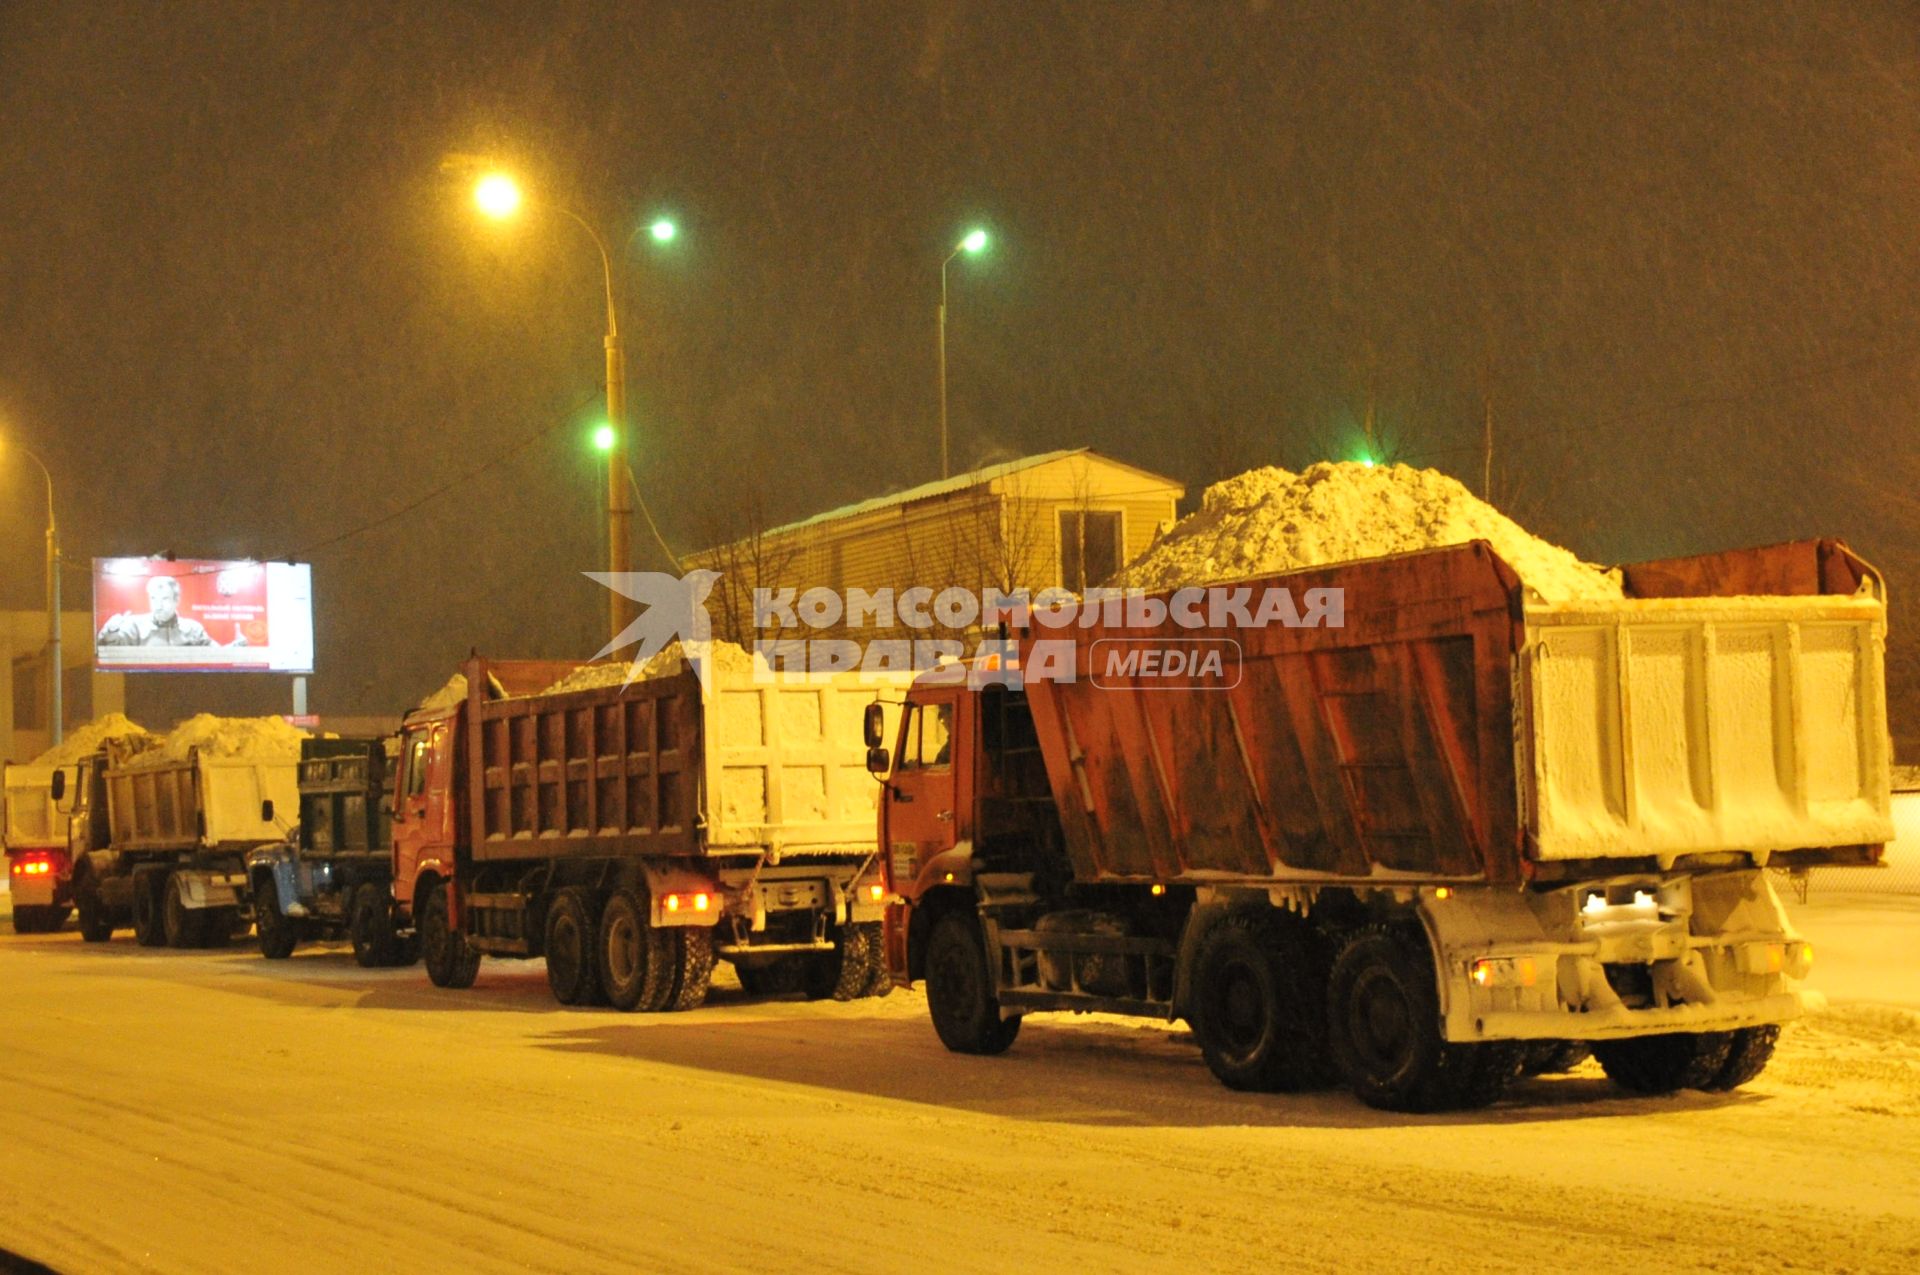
(200, 803)
(661, 768)
(1456, 728)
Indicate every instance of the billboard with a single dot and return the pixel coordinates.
(198, 615)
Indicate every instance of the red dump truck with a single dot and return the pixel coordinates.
(159, 843)
(1463, 830)
(633, 834)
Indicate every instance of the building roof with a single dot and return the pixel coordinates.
(959, 482)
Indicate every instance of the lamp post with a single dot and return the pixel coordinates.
(971, 243)
(498, 196)
(55, 708)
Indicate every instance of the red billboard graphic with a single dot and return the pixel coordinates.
(199, 615)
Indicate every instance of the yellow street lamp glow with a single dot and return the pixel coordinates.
(604, 437)
(663, 230)
(975, 241)
(497, 195)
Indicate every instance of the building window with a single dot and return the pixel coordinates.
(1090, 549)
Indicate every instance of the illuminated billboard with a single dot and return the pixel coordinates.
(194, 615)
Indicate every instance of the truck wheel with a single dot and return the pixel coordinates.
(184, 926)
(693, 971)
(1383, 1019)
(27, 920)
(879, 977)
(277, 933)
(1259, 1006)
(966, 1014)
(149, 929)
(636, 961)
(370, 927)
(1665, 1063)
(571, 974)
(96, 923)
(1751, 1051)
(842, 973)
(450, 962)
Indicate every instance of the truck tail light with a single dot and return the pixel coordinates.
(698, 902)
(1794, 959)
(876, 891)
(36, 863)
(1505, 971)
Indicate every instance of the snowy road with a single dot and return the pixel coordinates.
(214, 1111)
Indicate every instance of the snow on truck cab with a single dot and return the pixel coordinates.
(1466, 833)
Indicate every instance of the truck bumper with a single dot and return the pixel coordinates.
(1614, 958)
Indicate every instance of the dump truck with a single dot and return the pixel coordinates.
(634, 833)
(160, 844)
(332, 876)
(1464, 831)
(39, 873)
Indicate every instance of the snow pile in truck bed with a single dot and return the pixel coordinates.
(730, 663)
(84, 741)
(1272, 520)
(265, 739)
(454, 692)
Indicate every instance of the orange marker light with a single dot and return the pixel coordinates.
(673, 903)
(701, 902)
(1158, 889)
(1443, 892)
(876, 892)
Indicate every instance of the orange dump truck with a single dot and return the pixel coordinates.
(1463, 833)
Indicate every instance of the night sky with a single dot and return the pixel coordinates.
(244, 313)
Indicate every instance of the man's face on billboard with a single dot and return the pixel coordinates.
(163, 598)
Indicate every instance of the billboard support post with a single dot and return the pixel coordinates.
(299, 697)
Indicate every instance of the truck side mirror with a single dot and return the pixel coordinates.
(878, 760)
(58, 786)
(876, 728)
(266, 811)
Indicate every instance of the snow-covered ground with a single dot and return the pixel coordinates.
(215, 1111)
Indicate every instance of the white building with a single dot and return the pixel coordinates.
(24, 732)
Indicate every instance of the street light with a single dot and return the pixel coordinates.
(498, 196)
(55, 708)
(971, 243)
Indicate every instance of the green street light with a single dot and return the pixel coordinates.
(663, 230)
(971, 243)
(604, 437)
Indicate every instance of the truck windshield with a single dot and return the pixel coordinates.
(929, 741)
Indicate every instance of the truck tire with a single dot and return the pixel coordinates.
(693, 969)
(184, 926)
(1259, 1005)
(572, 974)
(636, 960)
(450, 962)
(370, 927)
(96, 922)
(1383, 1027)
(1666, 1063)
(1747, 1057)
(966, 1014)
(842, 973)
(30, 920)
(879, 977)
(149, 900)
(278, 934)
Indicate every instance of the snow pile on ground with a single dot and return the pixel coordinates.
(84, 741)
(730, 663)
(265, 739)
(1271, 520)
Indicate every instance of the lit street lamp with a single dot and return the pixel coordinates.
(971, 243)
(55, 710)
(498, 196)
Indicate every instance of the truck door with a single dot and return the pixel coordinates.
(920, 793)
(422, 825)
